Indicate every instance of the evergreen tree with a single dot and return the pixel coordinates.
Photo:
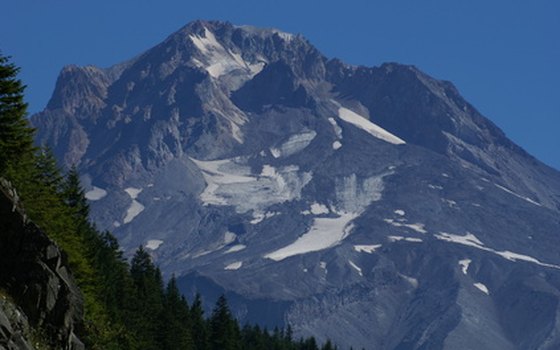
(224, 330)
(199, 329)
(75, 197)
(176, 330)
(145, 317)
(16, 137)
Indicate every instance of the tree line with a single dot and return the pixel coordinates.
(126, 305)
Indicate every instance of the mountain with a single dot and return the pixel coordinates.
(372, 206)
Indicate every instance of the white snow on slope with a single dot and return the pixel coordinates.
(234, 266)
(470, 240)
(369, 127)
(355, 194)
(406, 239)
(367, 248)
(135, 207)
(154, 244)
(230, 182)
(482, 288)
(465, 263)
(518, 195)
(356, 267)
(259, 216)
(296, 143)
(95, 194)
(418, 227)
(318, 209)
(336, 145)
(218, 60)
(235, 248)
(229, 237)
(337, 129)
(323, 234)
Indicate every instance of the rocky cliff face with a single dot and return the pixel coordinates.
(39, 298)
(370, 205)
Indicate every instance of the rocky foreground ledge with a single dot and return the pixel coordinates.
(39, 299)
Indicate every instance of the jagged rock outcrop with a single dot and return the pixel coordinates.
(39, 297)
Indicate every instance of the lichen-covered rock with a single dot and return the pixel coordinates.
(35, 276)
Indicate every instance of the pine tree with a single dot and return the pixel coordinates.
(16, 137)
(224, 330)
(176, 323)
(199, 330)
(74, 195)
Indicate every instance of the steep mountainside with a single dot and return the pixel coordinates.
(373, 206)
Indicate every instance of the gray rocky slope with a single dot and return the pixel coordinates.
(372, 206)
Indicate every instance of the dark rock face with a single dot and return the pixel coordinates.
(36, 277)
(370, 205)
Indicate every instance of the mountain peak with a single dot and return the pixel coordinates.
(262, 168)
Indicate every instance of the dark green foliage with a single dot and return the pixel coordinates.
(224, 330)
(16, 137)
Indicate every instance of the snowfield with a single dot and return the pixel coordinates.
(367, 248)
(154, 244)
(230, 182)
(369, 127)
(323, 234)
(296, 143)
(135, 207)
(470, 240)
(219, 61)
(95, 194)
(465, 263)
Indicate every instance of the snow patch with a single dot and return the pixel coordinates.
(135, 207)
(411, 280)
(219, 61)
(296, 143)
(336, 145)
(318, 209)
(418, 227)
(234, 266)
(229, 237)
(235, 248)
(154, 244)
(95, 194)
(258, 216)
(369, 127)
(367, 248)
(356, 267)
(354, 195)
(482, 288)
(465, 263)
(323, 234)
(470, 240)
(518, 195)
(230, 182)
(337, 129)
(406, 239)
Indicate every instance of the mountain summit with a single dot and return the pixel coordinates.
(370, 205)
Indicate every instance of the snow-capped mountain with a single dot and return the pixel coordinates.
(371, 206)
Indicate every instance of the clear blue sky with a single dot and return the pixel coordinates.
(503, 55)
